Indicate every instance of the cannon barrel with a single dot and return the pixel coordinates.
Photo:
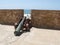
(18, 30)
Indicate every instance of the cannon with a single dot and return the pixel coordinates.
(19, 30)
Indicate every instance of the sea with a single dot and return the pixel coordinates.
(27, 13)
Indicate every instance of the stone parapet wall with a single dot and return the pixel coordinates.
(10, 16)
(46, 19)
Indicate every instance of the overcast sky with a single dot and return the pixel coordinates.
(30, 4)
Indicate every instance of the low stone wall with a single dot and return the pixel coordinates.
(10, 16)
(46, 19)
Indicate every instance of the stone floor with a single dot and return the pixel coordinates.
(35, 37)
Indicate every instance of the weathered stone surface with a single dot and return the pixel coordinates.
(46, 19)
(34, 37)
(10, 16)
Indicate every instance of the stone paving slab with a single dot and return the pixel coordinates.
(7, 36)
(42, 37)
(35, 37)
